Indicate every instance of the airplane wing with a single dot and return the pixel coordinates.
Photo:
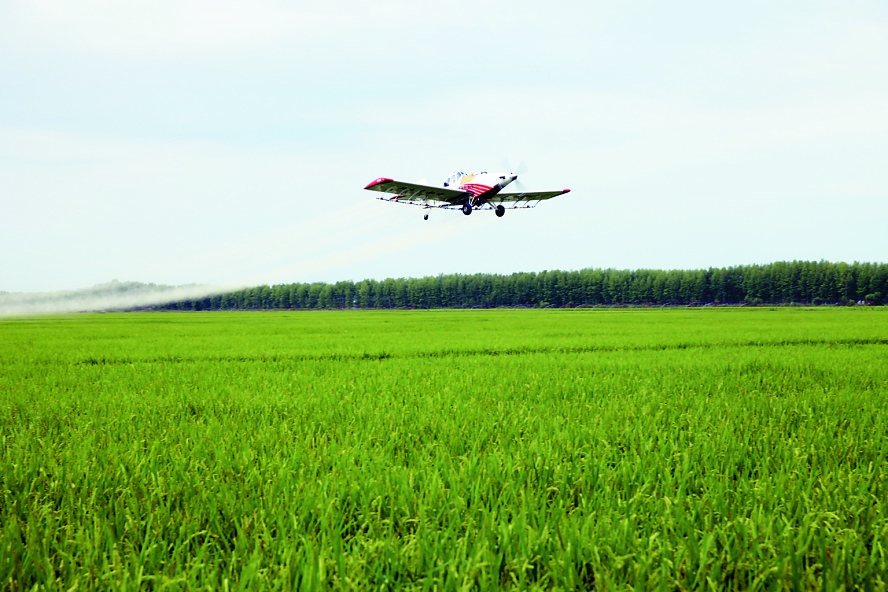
(525, 196)
(413, 192)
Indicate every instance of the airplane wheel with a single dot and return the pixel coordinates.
(500, 210)
(425, 217)
(467, 209)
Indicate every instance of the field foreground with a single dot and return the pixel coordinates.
(708, 448)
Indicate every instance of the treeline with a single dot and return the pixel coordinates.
(799, 282)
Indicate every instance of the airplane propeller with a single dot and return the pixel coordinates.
(516, 186)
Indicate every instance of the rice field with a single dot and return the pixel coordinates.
(445, 450)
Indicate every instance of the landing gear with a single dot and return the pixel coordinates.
(467, 208)
(425, 217)
(499, 211)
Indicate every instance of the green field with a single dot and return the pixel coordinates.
(646, 449)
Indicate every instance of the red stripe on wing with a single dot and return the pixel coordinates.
(378, 181)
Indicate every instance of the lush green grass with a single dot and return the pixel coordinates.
(655, 449)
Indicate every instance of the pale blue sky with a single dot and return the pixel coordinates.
(229, 142)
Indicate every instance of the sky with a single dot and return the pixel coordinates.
(227, 143)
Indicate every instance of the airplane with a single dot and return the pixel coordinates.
(465, 192)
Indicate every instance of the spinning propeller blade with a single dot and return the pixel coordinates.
(516, 186)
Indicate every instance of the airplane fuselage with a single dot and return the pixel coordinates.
(482, 186)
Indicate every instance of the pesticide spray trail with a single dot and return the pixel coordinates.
(295, 253)
(276, 258)
(343, 238)
(242, 257)
(384, 242)
(104, 297)
(235, 260)
(257, 258)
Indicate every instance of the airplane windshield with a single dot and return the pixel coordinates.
(454, 178)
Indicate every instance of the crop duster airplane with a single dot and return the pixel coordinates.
(463, 191)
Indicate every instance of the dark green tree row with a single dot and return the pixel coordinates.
(801, 282)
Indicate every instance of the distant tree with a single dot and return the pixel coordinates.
(364, 294)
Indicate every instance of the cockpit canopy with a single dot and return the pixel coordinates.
(455, 178)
